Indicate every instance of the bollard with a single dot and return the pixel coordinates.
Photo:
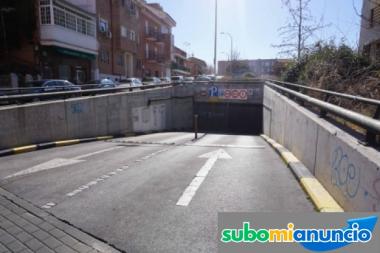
(196, 126)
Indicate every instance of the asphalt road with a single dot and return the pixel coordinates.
(158, 192)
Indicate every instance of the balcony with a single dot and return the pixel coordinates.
(156, 57)
(179, 68)
(151, 34)
(161, 38)
(65, 28)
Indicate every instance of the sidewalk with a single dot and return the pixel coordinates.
(26, 228)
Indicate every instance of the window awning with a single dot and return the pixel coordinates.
(75, 53)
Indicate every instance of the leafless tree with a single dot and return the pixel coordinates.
(300, 27)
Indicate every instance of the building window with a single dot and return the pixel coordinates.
(372, 18)
(120, 60)
(123, 31)
(66, 17)
(103, 25)
(45, 12)
(133, 35)
(147, 50)
(104, 56)
(59, 17)
(45, 15)
(146, 27)
(71, 22)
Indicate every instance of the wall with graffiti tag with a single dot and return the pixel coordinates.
(346, 168)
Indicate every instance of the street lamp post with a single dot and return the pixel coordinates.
(216, 34)
(232, 43)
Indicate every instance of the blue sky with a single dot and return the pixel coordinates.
(253, 24)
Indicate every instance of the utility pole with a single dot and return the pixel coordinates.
(216, 35)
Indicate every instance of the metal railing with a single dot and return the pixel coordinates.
(69, 94)
(332, 93)
(371, 125)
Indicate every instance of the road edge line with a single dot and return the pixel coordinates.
(46, 145)
(321, 198)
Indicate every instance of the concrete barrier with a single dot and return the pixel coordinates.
(116, 114)
(346, 168)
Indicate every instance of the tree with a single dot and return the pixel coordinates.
(299, 29)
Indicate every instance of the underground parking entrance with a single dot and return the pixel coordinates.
(229, 118)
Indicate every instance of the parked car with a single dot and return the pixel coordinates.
(177, 79)
(189, 79)
(151, 81)
(132, 82)
(166, 79)
(203, 78)
(51, 86)
(99, 84)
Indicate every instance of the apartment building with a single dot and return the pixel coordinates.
(259, 68)
(369, 42)
(118, 36)
(196, 66)
(67, 37)
(62, 42)
(82, 40)
(179, 65)
(156, 41)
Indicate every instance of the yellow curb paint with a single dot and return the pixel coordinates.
(25, 149)
(319, 195)
(289, 157)
(65, 143)
(321, 198)
(103, 138)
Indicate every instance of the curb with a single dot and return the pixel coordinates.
(29, 148)
(320, 197)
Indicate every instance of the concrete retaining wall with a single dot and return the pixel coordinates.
(347, 169)
(133, 112)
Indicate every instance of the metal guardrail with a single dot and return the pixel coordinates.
(67, 94)
(370, 124)
(332, 93)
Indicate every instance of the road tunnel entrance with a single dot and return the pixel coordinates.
(229, 118)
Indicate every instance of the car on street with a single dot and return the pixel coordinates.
(166, 79)
(99, 84)
(177, 79)
(189, 79)
(203, 78)
(52, 85)
(151, 81)
(131, 82)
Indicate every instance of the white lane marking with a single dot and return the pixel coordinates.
(190, 191)
(48, 205)
(58, 162)
(224, 146)
(103, 177)
(96, 153)
(96, 181)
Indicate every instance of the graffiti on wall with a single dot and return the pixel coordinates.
(347, 177)
(152, 118)
(77, 108)
(345, 174)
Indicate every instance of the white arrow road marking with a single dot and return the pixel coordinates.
(190, 191)
(58, 162)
